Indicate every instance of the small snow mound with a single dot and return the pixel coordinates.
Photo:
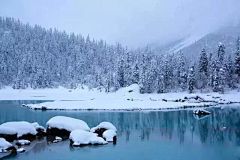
(105, 125)
(134, 88)
(22, 142)
(4, 145)
(22, 128)
(57, 139)
(67, 123)
(81, 138)
(21, 150)
(201, 112)
(109, 135)
(37, 126)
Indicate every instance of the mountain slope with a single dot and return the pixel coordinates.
(193, 45)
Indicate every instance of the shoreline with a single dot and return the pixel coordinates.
(125, 99)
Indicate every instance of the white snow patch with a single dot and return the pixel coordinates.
(57, 139)
(81, 137)
(67, 123)
(23, 142)
(21, 150)
(4, 145)
(7, 130)
(106, 125)
(109, 134)
(22, 128)
(85, 99)
(37, 126)
(201, 112)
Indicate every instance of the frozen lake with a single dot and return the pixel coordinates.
(165, 135)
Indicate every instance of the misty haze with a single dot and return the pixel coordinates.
(133, 80)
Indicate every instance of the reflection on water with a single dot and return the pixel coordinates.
(141, 135)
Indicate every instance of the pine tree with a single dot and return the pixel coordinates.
(221, 52)
(120, 73)
(191, 79)
(222, 80)
(203, 68)
(182, 72)
(237, 59)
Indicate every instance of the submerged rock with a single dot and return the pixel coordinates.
(80, 138)
(23, 142)
(201, 112)
(21, 150)
(57, 139)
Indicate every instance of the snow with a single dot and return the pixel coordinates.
(187, 42)
(4, 145)
(85, 99)
(109, 134)
(23, 142)
(81, 137)
(105, 125)
(37, 126)
(67, 123)
(21, 150)
(7, 130)
(57, 139)
(22, 128)
(201, 112)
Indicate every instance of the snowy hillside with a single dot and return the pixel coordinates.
(193, 44)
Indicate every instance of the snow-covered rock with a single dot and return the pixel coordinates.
(110, 135)
(80, 138)
(10, 134)
(21, 150)
(23, 142)
(57, 139)
(24, 129)
(5, 146)
(201, 112)
(41, 131)
(102, 127)
(61, 125)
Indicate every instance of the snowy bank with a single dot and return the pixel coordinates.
(61, 125)
(127, 99)
(82, 138)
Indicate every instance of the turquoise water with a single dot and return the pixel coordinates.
(172, 135)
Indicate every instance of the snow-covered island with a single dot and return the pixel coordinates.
(126, 99)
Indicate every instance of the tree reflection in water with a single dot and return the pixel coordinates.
(222, 126)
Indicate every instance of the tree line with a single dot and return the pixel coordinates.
(39, 58)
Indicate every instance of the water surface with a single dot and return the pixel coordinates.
(172, 135)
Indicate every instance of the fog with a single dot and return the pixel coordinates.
(134, 23)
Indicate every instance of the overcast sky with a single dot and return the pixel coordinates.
(131, 22)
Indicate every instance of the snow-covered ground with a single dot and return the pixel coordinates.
(127, 98)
